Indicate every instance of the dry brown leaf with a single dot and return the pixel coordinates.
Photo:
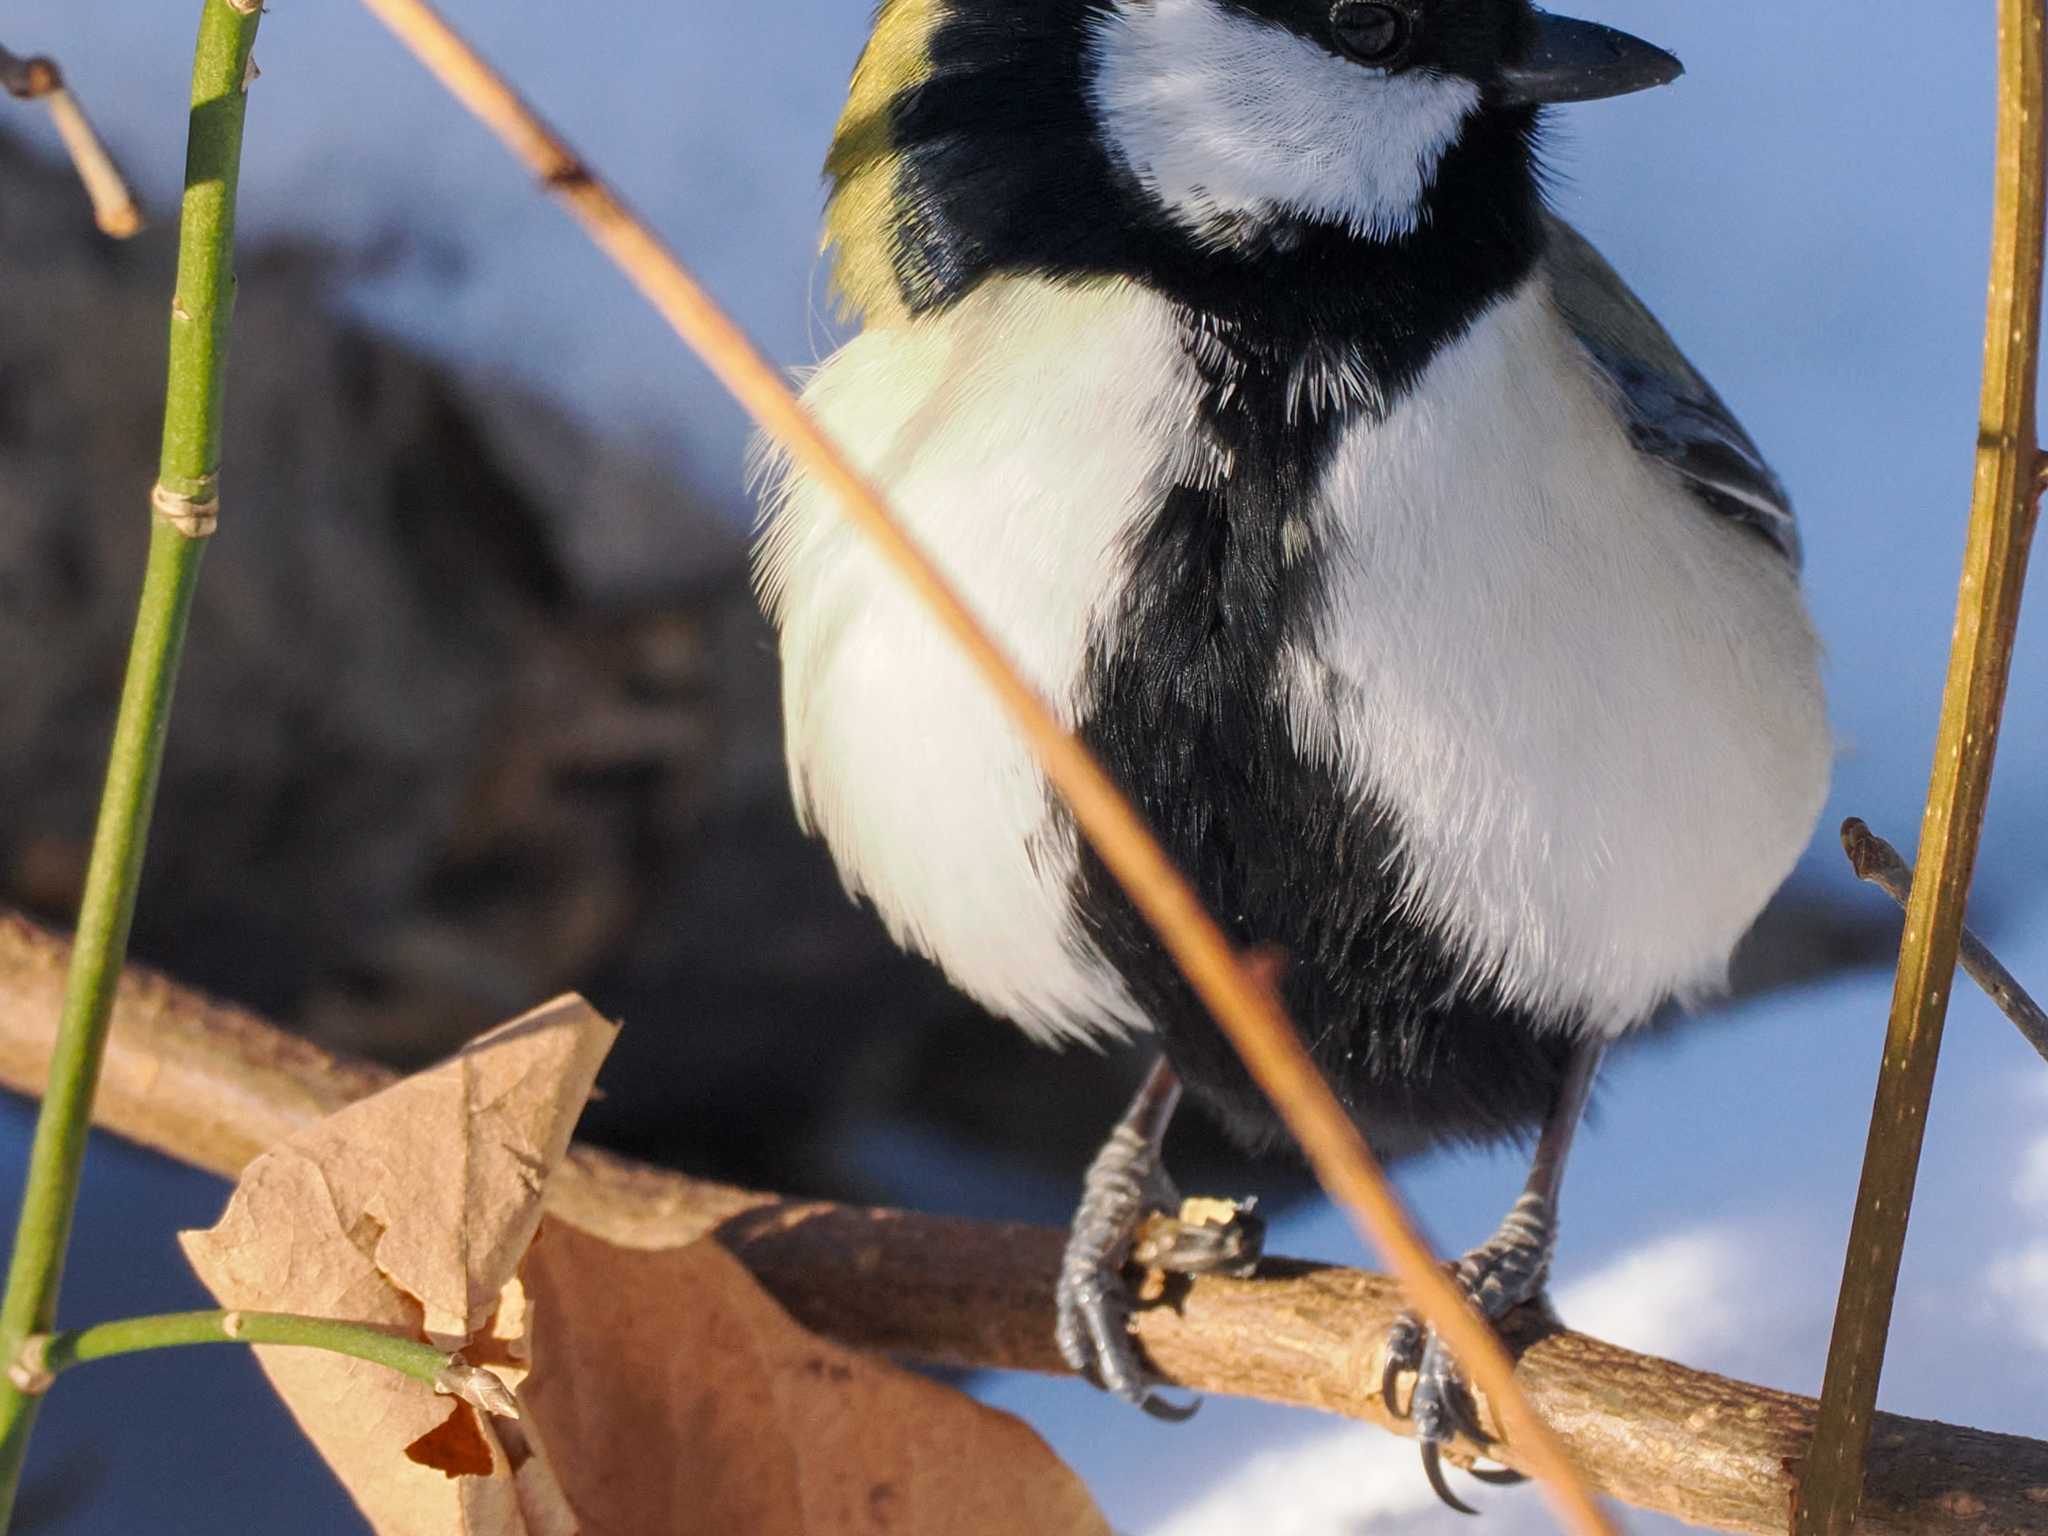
(412, 1209)
(457, 1447)
(673, 1395)
(669, 1394)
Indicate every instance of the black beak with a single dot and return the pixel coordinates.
(1583, 61)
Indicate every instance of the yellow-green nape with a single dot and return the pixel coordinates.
(859, 218)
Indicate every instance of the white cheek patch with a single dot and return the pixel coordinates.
(1231, 121)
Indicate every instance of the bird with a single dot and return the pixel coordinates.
(1433, 609)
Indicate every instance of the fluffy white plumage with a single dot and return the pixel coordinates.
(1230, 121)
(1019, 436)
(1592, 705)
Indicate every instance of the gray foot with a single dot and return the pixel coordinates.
(1506, 1272)
(1125, 1188)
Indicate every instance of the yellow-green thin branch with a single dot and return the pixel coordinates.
(2008, 488)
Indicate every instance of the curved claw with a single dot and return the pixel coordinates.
(1498, 1477)
(1387, 1380)
(1433, 1469)
(1441, 1408)
(1167, 1412)
(1404, 1353)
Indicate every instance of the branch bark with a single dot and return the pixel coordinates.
(213, 1086)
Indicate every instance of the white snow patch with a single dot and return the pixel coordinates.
(1675, 1297)
(2030, 1185)
(2018, 1283)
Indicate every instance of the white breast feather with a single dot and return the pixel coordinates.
(1593, 707)
(1019, 437)
(1226, 118)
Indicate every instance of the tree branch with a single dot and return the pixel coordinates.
(1883, 866)
(214, 1086)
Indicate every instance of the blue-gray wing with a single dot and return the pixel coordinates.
(1672, 413)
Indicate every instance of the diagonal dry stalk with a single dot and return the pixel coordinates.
(2008, 488)
(1247, 1009)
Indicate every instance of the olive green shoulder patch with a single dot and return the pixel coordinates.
(859, 216)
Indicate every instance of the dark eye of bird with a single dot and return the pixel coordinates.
(1371, 34)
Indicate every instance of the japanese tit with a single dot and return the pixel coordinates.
(1433, 609)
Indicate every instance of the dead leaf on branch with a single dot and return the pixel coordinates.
(411, 1210)
(673, 1394)
(667, 1392)
(457, 1448)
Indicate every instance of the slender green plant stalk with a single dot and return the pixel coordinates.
(2008, 488)
(49, 1355)
(185, 506)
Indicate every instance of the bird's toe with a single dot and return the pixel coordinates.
(1094, 1334)
(1505, 1274)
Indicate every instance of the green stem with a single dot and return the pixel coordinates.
(171, 1330)
(2004, 509)
(189, 473)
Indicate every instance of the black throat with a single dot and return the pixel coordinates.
(1297, 336)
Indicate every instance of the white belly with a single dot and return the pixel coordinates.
(1593, 707)
(1019, 437)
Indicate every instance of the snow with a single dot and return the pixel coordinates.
(1807, 210)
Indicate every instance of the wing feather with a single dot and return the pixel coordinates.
(1672, 412)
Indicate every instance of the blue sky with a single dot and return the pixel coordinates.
(1807, 210)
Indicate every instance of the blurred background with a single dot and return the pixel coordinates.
(478, 706)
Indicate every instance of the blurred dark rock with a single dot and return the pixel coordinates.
(422, 775)
(412, 783)
(442, 750)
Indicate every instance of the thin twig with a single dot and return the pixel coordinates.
(46, 1356)
(114, 207)
(1980, 661)
(213, 1086)
(1883, 866)
(194, 385)
(1250, 1013)
(26, 79)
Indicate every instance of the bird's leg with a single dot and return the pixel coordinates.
(1125, 1184)
(1507, 1270)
